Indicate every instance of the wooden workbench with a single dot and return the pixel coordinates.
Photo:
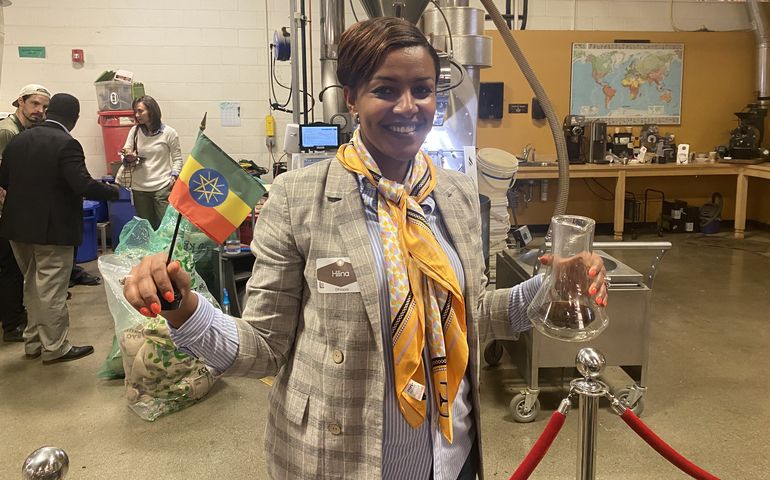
(622, 172)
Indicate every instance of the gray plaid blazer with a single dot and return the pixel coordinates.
(326, 406)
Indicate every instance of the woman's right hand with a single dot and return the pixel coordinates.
(151, 278)
(129, 156)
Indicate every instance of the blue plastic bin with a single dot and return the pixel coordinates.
(87, 248)
(102, 212)
(121, 211)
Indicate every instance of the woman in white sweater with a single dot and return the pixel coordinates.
(152, 160)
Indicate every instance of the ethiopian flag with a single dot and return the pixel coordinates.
(213, 191)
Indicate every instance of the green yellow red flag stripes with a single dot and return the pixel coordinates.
(213, 191)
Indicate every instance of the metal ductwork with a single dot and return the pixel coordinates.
(760, 17)
(468, 45)
(332, 26)
(410, 10)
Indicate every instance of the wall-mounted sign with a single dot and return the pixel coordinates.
(31, 52)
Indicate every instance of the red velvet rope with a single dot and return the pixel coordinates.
(540, 448)
(664, 449)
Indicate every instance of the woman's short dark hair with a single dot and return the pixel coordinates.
(364, 46)
(153, 110)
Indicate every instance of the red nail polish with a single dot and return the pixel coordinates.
(155, 307)
(592, 272)
(169, 296)
(144, 311)
(592, 291)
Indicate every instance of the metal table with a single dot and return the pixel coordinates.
(625, 342)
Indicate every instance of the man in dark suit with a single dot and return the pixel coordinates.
(45, 175)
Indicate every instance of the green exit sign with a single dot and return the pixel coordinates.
(31, 52)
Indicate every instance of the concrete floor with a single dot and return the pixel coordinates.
(707, 397)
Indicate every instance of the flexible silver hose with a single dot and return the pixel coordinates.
(553, 121)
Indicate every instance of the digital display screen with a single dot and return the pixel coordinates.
(319, 136)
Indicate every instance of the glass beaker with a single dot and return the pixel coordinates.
(562, 308)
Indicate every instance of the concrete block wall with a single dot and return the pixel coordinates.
(194, 54)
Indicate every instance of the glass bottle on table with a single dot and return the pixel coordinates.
(233, 243)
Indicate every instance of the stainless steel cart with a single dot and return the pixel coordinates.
(625, 342)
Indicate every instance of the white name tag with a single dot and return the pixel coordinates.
(335, 275)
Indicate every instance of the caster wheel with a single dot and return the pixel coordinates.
(493, 352)
(517, 409)
(624, 394)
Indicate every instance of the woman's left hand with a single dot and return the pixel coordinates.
(596, 272)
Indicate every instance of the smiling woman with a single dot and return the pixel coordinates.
(368, 296)
(388, 71)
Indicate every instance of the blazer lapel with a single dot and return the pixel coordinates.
(456, 222)
(348, 213)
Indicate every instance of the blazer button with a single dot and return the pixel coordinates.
(337, 356)
(335, 429)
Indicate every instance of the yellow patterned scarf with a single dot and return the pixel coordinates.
(425, 297)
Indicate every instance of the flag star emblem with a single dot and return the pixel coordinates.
(208, 187)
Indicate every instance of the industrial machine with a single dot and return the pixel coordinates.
(746, 140)
(453, 28)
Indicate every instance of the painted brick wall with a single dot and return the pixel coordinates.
(193, 54)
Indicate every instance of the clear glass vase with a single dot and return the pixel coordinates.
(563, 308)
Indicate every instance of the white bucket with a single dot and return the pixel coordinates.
(496, 169)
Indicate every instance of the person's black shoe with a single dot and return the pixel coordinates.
(73, 354)
(32, 356)
(84, 278)
(15, 335)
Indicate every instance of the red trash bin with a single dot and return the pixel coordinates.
(115, 126)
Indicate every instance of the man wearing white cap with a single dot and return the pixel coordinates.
(31, 105)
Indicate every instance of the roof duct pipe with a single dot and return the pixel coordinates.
(760, 18)
(330, 96)
(534, 83)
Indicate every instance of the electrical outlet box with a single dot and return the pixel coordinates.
(269, 126)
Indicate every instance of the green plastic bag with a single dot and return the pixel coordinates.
(159, 378)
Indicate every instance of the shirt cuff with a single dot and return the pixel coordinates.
(209, 335)
(518, 301)
(193, 329)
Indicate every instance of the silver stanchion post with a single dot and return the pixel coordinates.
(590, 363)
(45, 463)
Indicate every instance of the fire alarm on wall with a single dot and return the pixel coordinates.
(77, 56)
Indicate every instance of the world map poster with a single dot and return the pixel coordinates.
(627, 83)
